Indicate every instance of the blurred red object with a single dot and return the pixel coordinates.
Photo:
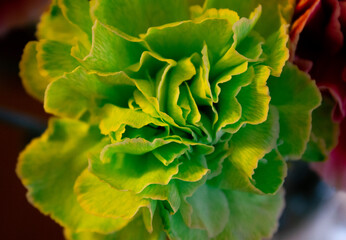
(17, 13)
(318, 47)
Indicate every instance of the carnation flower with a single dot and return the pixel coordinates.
(318, 36)
(172, 120)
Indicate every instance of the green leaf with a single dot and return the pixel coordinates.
(34, 83)
(81, 95)
(49, 167)
(130, 165)
(110, 51)
(122, 205)
(251, 216)
(295, 105)
(54, 58)
(135, 16)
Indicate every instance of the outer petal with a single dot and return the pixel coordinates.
(274, 14)
(334, 169)
(110, 51)
(295, 106)
(54, 26)
(91, 191)
(49, 167)
(136, 16)
(35, 84)
(251, 216)
(131, 165)
(246, 148)
(133, 231)
(81, 95)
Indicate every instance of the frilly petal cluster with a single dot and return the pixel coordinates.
(173, 119)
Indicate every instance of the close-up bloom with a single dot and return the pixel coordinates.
(318, 47)
(171, 119)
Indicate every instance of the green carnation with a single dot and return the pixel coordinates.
(172, 119)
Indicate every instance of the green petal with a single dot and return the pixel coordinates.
(275, 12)
(215, 159)
(179, 40)
(130, 165)
(150, 66)
(168, 153)
(228, 107)
(78, 13)
(54, 58)
(250, 46)
(110, 52)
(197, 13)
(114, 117)
(295, 106)
(191, 175)
(210, 210)
(322, 139)
(51, 164)
(192, 170)
(188, 105)
(275, 50)
(251, 216)
(226, 76)
(177, 229)
(34, 83)
(122, 205)
(54, 26)
(270, 173)
(168, 91)
(135, 16)
(254, 100)
(80, 95)
(133, 231)
(247, 147)
(169, 193)
(200, 85)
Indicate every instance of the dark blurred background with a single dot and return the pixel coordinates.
(21, 119)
